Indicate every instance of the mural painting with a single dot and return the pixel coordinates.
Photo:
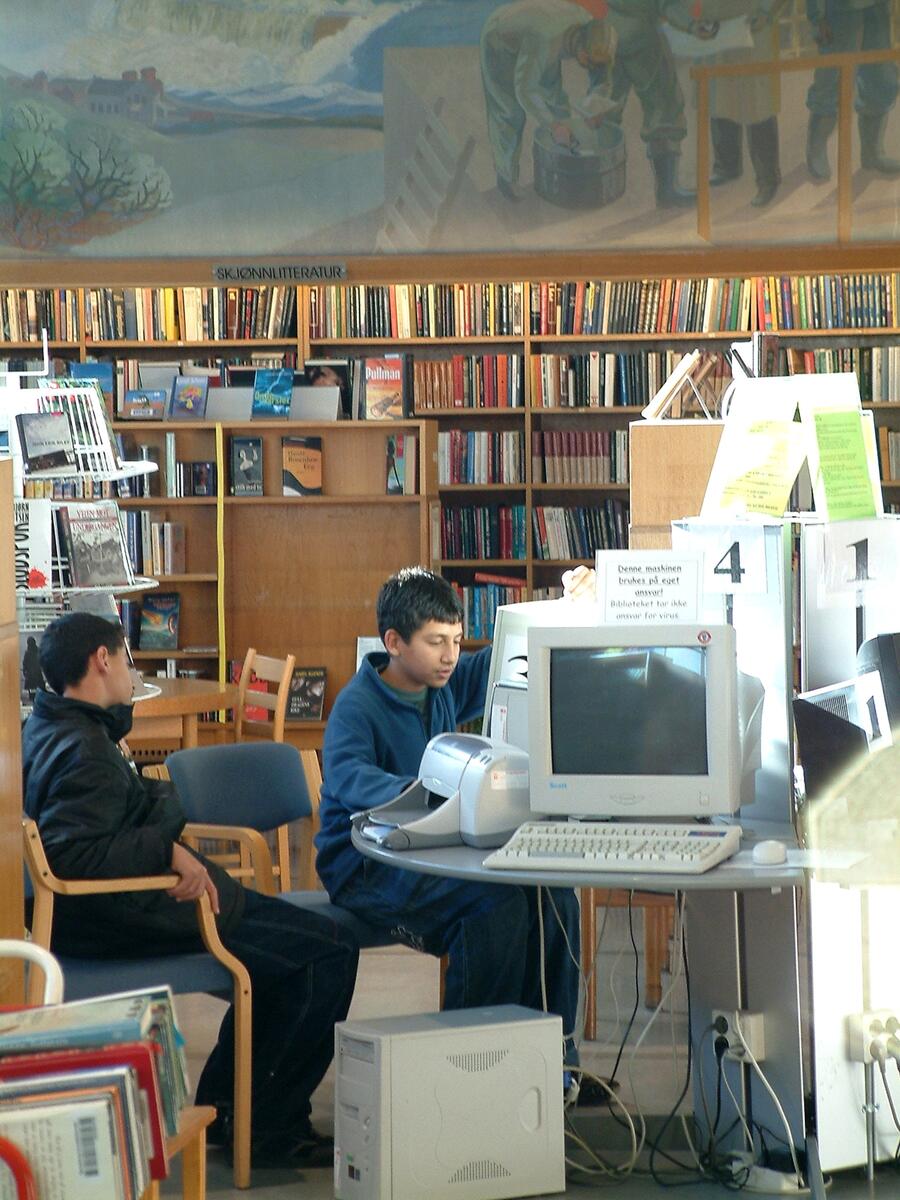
(155, 128)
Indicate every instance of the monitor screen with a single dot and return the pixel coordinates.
(655, 698)
(633, 721)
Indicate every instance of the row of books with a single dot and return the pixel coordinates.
(195, 477)
(189, 314)
(877, 368)
(867, 300)
(579, 456)
(481, 456)
(154, 547)
(408, 310)
(483, 597)
(469, 381)
(889, 453)
(24, 312)
(858, 301)
(483, 531)
(598, 380)
(579, 531)
(69, 487)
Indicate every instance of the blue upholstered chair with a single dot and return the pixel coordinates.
(242, 791)
(216, 971)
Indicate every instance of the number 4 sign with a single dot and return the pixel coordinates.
(734, 556)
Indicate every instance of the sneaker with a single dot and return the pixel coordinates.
(306, 1152)
(592, 1094)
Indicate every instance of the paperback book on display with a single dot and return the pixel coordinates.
(306, 698)
(95, 549)
(159, 621)
(301, 466)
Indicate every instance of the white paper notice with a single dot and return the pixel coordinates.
(640, 586)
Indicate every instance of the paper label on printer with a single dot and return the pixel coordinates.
(509, 780)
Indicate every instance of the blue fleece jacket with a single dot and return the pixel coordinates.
(374, 742)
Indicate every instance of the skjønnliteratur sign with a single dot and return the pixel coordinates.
(280, 272)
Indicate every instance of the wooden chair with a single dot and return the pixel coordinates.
(277, 671)
(216, 971)
(274, 672)
(659, 912)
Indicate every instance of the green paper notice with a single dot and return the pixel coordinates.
(843, 465)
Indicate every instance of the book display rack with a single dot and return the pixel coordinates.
(519, 396)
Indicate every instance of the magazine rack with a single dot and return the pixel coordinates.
(189, 1141)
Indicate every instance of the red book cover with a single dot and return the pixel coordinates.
(139, 1055)
(503, 380)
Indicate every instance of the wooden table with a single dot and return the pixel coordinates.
(173, 714)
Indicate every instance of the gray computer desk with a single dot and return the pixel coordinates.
(742, 923)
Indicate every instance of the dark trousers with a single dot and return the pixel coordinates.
(491, 932)
(302, 969)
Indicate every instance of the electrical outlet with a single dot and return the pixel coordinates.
(752, 1027)
(878, 1027)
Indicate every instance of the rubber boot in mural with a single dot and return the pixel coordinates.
(726, 147)
(763, 140)
(871, 145)
(818, 132)
(665, 173)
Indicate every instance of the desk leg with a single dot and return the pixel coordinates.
(189, 731)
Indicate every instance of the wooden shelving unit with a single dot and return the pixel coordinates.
(300, 574)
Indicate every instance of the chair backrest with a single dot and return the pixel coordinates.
(258, 784)
(271, 671)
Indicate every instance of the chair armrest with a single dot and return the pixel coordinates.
(253, 842)
(47, 885)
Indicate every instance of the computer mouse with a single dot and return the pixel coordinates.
(769, 853)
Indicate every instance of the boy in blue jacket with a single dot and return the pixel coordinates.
(374, 741)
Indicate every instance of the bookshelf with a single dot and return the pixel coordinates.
(295, 574)
(552, 360)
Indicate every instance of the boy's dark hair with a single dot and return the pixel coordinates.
(413, 596)
(69, 642)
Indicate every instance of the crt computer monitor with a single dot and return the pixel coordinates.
(633, 721)
(504, 712)
(882, 654)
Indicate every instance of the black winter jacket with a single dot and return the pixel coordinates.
(99, 819)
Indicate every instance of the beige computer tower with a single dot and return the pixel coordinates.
(464, 1104)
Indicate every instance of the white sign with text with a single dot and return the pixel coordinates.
(639, 586)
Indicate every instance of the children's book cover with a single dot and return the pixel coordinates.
(188, 399)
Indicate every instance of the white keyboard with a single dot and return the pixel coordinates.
(645, 847)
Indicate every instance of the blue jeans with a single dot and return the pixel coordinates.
(490, 932)
(302, 969)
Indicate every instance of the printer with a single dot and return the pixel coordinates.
(471, 790)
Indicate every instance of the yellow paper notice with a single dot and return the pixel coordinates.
(755, 468)
(843, 465)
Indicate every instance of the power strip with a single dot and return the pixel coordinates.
(753, 1178)
(773, 1183)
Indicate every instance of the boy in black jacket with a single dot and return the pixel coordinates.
(99, 819)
